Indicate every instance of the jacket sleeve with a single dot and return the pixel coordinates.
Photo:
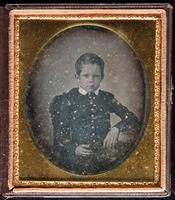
(60, 115)
(128, 119)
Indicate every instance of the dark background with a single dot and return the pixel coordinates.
(4, 93)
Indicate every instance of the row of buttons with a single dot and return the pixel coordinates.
(91, 101)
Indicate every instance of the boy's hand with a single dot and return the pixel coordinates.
(111, 138)
(83, 150)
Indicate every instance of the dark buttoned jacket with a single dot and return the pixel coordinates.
(85, 119)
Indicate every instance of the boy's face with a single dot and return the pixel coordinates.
(90, 77)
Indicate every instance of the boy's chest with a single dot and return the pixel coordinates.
(89, 107)
(90, 119)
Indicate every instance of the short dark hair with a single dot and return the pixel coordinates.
(89, 58)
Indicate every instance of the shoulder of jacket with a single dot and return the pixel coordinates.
(66, 97)
(57, 98)
(73, 91)
(55, 103)
(72, 95)
(107, 95)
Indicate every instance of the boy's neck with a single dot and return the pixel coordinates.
(84, 92)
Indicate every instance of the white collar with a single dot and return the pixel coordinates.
(84, 92)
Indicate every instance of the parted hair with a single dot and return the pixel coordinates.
(89, 58)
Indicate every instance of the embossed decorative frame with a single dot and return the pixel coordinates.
(160, 186)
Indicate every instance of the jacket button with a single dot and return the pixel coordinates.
(91, 102)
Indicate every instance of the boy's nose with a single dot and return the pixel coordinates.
(90, 78)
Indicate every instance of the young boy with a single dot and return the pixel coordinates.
(83, 137)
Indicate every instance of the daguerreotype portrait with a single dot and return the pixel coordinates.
(91, 67)
(88, 101)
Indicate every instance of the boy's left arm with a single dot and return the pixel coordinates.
(128, 122)
(128, 119)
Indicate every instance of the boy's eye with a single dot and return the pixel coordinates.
(96, 76)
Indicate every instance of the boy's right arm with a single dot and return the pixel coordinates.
(60, 114)
(61, 119)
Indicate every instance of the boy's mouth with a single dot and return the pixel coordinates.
(90, 86)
